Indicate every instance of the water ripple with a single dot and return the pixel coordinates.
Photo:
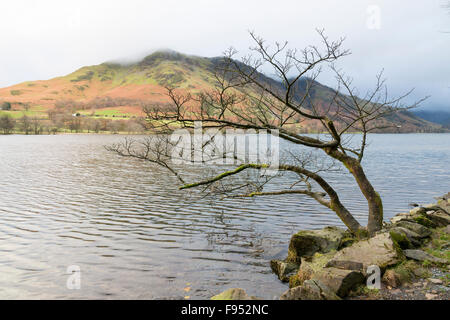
(66, 201)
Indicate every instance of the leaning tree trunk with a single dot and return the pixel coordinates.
(375, 220)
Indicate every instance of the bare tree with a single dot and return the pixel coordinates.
(246, 99)
(25, 124)
(36, 125)
(7, 124)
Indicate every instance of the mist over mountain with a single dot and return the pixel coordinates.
(121, 88)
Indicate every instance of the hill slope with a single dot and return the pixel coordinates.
(439, 117)
(112, 89)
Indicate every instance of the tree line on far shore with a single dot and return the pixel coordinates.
(68, 123)
(64, 118)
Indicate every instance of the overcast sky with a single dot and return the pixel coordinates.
(41, 39)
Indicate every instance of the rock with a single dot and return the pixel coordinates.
(306, 243)
(417, 210)
(400, 216)
(379, 250)
(283, 269)
(430, 296)
(444, 204)
(404, 237)
(347, 242)
(420, 255)
(233, 294)
(310, 290)
(435, 281)
(419, 272)
(396, 219)
(424, 221)
(346, 265)
(309, 266)
(392, 278)
(420, 230)
(340, 281)
(440, 218)
(447, 229)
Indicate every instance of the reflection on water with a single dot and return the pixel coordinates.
(64, 200)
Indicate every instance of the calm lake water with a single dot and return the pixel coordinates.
(65, 200)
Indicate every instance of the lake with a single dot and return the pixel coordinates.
(66, 201)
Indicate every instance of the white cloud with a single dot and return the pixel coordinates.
(47, 38)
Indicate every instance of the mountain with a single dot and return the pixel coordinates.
(438, 117)
(119, 90)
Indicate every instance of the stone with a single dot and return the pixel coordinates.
(424, 221)
(306, 243)
(400, 216)
(435, 281)
(309, 266)
(396, 219)
(447, 229)
(430, 296)
(340, 281)
(283, 269)
(418, 229)
(419, 272)
(417, 210)
(440, 218)
(310, 290)
(379, 250)
(444, 204)
(346, 265)
(420, 255)
(392, 278)
(404, 237)
(233, 294)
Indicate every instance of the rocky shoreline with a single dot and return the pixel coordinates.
(408, 259)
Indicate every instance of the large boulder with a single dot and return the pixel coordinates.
(444, 203)
(423, 220)
(405, 238)
(400, 216)
(309, 266)
(409, 234)
(310, 290)
(340, 281)
(392, 278)
(306, 243)
(381, 250)
(419, 230)
(283, 269)
(234, 294)
(420, 255)
(402, 273)
(440, 218)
